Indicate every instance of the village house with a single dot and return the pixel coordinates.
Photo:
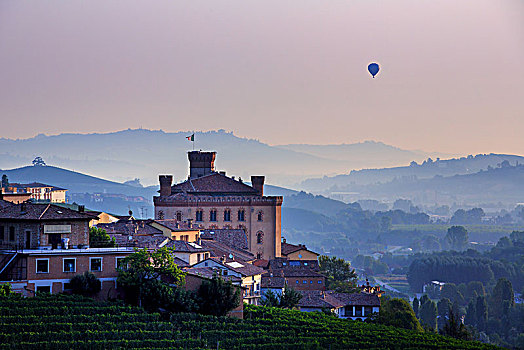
(36, 191)
(297, 252)
(355, 306)
(42, 246)
(213, 200)
(249, 274)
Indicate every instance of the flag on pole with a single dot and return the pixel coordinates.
(191, 138)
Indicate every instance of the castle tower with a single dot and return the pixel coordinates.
(201, 163)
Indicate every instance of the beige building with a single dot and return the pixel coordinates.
(211, 200)
(36, 191)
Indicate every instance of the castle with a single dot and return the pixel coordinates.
(211, 200)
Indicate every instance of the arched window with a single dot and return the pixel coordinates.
(241, 215)
(260, 237)
(213, 215)
(227, 215)
(179, 216)
(260, 216)
(161, 215)
(199, 215)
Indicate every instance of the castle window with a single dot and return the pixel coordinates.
(260, 237)
(213, 215)
(241, 215)
(178, 216)
(199, 215)
(227, 215)
(260, 216)
(161, 215)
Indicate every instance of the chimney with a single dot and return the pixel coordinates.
(190, 223)
(81, 208)
(165, 185)
(257, 182)
(283, 240)
(201, 163)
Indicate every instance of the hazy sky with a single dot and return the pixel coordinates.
(451, 79)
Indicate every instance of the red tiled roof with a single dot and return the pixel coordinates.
(357, 299)
(130, 227)
(213, 183)
(220, 249)
(37, 211)
(4, 204)
(209, 273)
(236, 238)
(244, 269)
(287, 248)
(318, 299)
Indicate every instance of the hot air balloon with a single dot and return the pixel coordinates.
(373, 68)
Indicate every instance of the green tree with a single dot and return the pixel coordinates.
(217, 297)
(457, 237)
(471, 313)
(86, 284)
(481, 310)
(140, 280)
(450, 291)
(270, 299)
(398, 313)
(454, 328)
(443, 307)
(502, 298)
(416, 306)
(289, 298)
(5, 289)
(428, 314)
(98, 238)
(340, 275)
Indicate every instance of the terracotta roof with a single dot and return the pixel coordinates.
(148, 241)
(213, 183)
(186, 247)
(209, 272)
(357, 299)
(4, 204)
(287, 248)
(180, 262)
(34, 211)
(175, 225)
(261, 263)
(318, 299)
(129, 227)
(272, 282)
(220, 249)
(241, 267)
(236, 238)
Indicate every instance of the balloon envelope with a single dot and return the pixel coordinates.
(373, 68)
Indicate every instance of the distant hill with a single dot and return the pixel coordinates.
(361, 155)
(129, 154)
(497, 187)
(424, 170)
(73, 181)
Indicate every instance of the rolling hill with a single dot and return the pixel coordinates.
(142, 153)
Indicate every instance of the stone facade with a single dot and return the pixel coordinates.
(212, 200)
